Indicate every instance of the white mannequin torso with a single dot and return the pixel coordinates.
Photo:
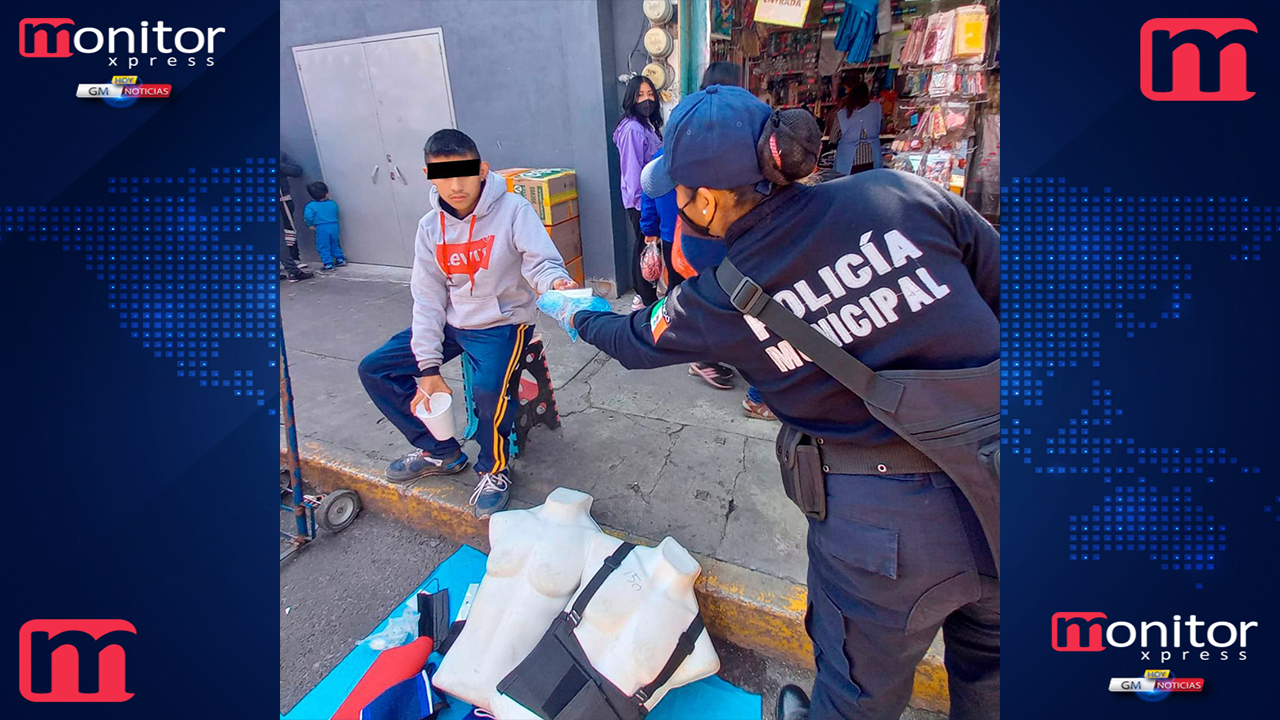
(535, 564)
(630, 627)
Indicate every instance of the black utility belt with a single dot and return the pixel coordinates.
(894, 458)
(806, 461)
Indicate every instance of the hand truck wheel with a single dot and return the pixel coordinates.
(338, 510)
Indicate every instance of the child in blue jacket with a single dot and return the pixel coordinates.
(658, 218)
(321, 215)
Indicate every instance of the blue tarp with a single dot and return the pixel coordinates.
(709, 699)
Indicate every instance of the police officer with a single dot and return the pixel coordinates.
(902, 275)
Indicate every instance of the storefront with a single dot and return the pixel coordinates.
(931, 66)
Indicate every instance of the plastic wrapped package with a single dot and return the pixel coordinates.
(972, 82)
(401, 629)
(913, 49)
(956, 116)
(651, 261)
(937, 167)
(970, 32)
(913, 162)
(943, 81)
(561, 306)
(938, 39)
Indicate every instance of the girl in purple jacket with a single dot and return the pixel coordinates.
(638, 136)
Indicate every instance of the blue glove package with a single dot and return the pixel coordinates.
(562, 306)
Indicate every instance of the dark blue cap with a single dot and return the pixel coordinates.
(710, 142)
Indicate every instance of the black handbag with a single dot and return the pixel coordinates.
(557, 682)
(951, 416)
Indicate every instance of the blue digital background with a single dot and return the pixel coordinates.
(139, 471)
(140, 494)
(1138, 337)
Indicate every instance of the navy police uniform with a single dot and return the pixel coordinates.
(903, 275)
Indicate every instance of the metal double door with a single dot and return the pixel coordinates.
(372, 103)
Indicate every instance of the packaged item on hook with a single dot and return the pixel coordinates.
(937, 167)
(914, 162)
(970, 32)
(913, 49)
(972, 82)
(942, 82)
(955, 116)
(939, 37)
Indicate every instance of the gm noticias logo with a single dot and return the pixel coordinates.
(1197, 59)
(75, 660)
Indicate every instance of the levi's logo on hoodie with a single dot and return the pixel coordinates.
(465, 258)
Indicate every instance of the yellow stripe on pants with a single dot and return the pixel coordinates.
(499, 442)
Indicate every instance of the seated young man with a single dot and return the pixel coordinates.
(480, 256)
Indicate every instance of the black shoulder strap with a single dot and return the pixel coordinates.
(750, 299)
(684, 646)
(611, 563)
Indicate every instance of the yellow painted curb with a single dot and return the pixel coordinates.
(746, 607)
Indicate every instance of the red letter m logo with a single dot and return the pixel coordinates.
(1077, 632)
(74, 660)
(1197, 59)
(40, 37)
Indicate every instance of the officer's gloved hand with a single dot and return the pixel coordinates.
(562, 306)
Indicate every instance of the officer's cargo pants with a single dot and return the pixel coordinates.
(897, 558)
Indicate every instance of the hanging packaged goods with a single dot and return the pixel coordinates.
(928, 65)
(938, 38)
(971, 31)
(942, 80)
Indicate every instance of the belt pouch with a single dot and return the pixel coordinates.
(802, 476)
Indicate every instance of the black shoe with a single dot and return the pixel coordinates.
(339, 263)
(793, 704)
(302, 275)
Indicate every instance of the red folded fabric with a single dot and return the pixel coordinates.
(393, 666)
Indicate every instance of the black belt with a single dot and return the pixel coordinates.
(896, 457)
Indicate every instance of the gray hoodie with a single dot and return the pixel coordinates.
(491, 280)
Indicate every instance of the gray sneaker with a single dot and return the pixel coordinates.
(420, 464)
(492, 494)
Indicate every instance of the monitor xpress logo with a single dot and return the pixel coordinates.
(75, 660)
(144, 46)
(1197, 59)
(1189, 639)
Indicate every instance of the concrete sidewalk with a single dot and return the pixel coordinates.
(661, 452)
